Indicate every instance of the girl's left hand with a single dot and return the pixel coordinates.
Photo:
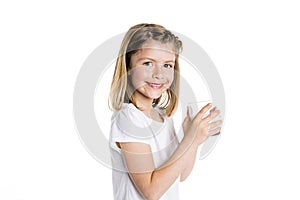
(200, 128)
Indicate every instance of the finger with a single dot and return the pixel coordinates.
(207, 119)
(213, 109)
(203, 111)
(215, 131)
(215, 113)
(188, 112)
(215, 124)
(187, 118)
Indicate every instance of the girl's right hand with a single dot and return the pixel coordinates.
(200, 128)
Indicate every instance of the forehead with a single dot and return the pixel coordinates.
(158, 45)
(156, 50)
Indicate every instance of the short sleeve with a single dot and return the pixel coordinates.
(130, 125)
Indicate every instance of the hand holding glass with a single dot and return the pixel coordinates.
(196, 107)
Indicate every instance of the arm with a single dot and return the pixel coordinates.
(213, 128)
(153, 183)
(188, 166)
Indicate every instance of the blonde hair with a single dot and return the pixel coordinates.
(136, 36)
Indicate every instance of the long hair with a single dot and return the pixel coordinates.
(136, 36)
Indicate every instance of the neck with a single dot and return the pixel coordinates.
(143, 103)
(144, 106)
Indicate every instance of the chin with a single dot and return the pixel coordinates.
(155, 96)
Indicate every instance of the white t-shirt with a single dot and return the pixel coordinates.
(131, 125)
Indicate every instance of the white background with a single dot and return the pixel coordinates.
(255, 46)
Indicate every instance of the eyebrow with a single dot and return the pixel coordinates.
(147, 58)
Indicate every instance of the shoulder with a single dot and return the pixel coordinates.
(130, 124)
(130, 115)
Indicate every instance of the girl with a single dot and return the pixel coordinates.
(148, 160)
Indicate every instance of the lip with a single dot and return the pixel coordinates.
(155, 85)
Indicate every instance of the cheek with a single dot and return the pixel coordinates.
(170, 78)
(138, 77)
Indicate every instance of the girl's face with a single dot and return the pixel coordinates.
(152, 70)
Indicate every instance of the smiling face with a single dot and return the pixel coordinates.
(152, 70)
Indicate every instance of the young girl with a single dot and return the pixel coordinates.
(148, 160)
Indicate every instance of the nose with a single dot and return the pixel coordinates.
(157, 72)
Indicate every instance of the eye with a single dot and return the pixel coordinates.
(168, 66)
(148, 64)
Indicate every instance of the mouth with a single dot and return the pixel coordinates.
(155, 85)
